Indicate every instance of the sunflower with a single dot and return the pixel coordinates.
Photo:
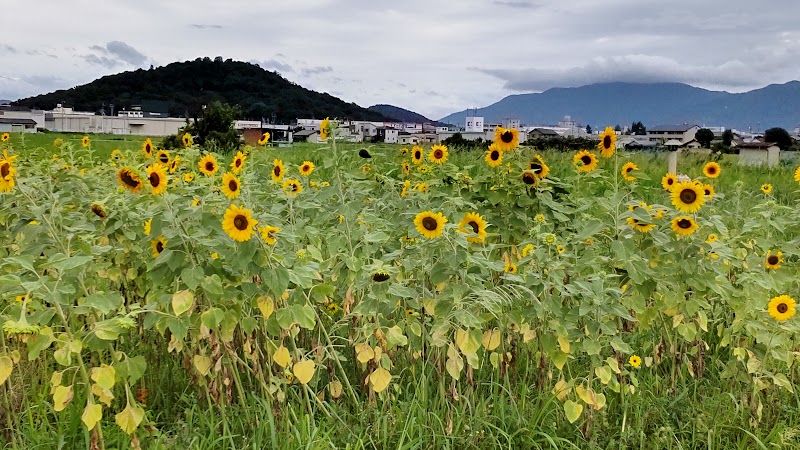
(406, 167)
(116, 154)
(473, 223)
(324, 128)
(163, 157)
(157, 177)
(277, 170)
(494, 156)
(430, 224)
(187, 140)
(147, 148)
(712, 238)
(709, 191)
(608, 143)
(188, 177)
(668, 182)
(766, 188)
(238, 162)
(416, 154)
(264, 139)
(635, 361)
(231, 186)
(688, 197)
(7, 172)
(268, 234)
(98, 211)
(5, 137)
(148, 227)
(684, 225)
(639, 226)
(585, 161)
(797, 175)
(782, 307)
(406, 186)
(208, 165)
(307, 167)
(539, 168)
(380, 277)
(292, 187)
(712, 170)
(773, 261)
(527, 249)
(129, 179)
(627, 169)
(510, 267)
(529, 178)
(539, 218)
(506, 139)
(238, 223)
(421, 187)
(158, 246)
(85, 141)
(438, 154)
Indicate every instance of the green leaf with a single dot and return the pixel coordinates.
(132, 369)
(25, 261)
(64, 263)
(402, 291)
(192, 276)
(212, 285)
(105, 302)
(573, 410)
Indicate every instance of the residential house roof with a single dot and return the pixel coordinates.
(757, 145)
(18, 121)
(670, 128)
(673, 143)
(545, 131)
(305, 133)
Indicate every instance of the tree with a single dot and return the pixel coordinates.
(704, 136)
(617, 128)
(213, 129)
(727, 138)
(588, 129)
(778, 136)
(638, 129)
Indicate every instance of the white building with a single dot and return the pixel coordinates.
(664, 133)
(759, 153)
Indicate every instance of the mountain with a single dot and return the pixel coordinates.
(652, 104)
(402, 115)
(182, 88)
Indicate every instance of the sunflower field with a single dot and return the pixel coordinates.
(345, 296)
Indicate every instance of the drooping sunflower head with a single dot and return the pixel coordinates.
(208, 165)
(98, 211)
(430, 224)
(324, 128)
(494, 156)
(231, 186)
(507, 139)
(264, 139)
(148, 226)
(510, 267)
(438, 154)
(147, 148)
(526, 250)
(773, 260)
(163, 157)
(406, 187)
(608, 143)
(158, 246)
(585, 161)
(766, 188)
(238, 162)
(277, 170)
(307, 167)
(380, 277)
(640, 226)
(157, 178)
(627, 171)
(539, 168)
(782, 308)
(684, 225)
(268, 234)
(85, 141)
(188, 141)
(416, 154)
(238, 223)
(688, 197)
(129, 179)
(712, 170)
(529, 178)
(175, 164)
(668, 182)
(292, 187)
(406, 167)
(474, 226)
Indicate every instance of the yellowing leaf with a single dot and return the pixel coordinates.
(380, 379)
(573, 410)
(364, 353)
(282, 357)
(304, 370)
(61, 397)
(182, 301)
(104, 395)
(613, 364)
(6, 365)
(130, 418)
(491, 339)
(561, 389)
(599, 401)
(266, 305)
(467, 342)
(587, 395)
(454, 364)
(55, 381)
(91, 415)
(563, 342)
(104, 376)
(202, 364)
(335, 387)
(604, 373)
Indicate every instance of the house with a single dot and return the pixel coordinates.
(632, 142)
(663, 133)
(304, 135)
(407, 139)
(17, 125)
(18, 119)
(511, 123)
(759, 153)
(542, 133)
(387, 135)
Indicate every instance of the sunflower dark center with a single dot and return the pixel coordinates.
(670, 181)
(380, 277)
(155, 179)
(233, 185)
(430, 224)
(159, 246)
(148, 148)
(708, 192)
(712, 170)
(773, 259)
(782, 308)
(507, 137)
(475, 227)
(277, 171)
(438, 154)
(536, 168)
(98, 211)
(628, 169)
(528, 178)
(240, 222)
(586, 160)
(417, 155)
(5, 169)
(607, 142)
(209, 166)
(685, 224)
(688, 196)
(305, 168)
(294, 187)
(163, 158)
(128, 179)
(238, 162)
(494, 155)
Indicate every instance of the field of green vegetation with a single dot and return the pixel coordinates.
(344, 296)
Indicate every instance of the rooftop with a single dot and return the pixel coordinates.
(670, 128)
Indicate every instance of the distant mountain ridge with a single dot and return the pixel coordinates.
(184, 87)
(651, 103)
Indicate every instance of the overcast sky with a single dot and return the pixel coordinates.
(433, 57)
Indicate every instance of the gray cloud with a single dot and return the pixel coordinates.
(273, 64)
(108, 63)
(126, 53)
(201, 26)
(316, 70)
(520, 5)
(7, 49)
